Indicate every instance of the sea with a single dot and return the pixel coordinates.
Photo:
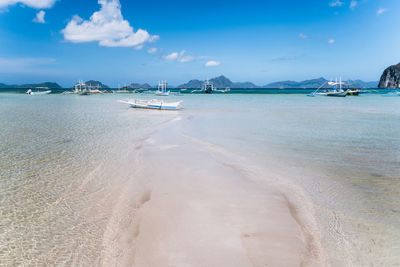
(63, 157)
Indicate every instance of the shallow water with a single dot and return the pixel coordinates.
(63, 157)
(344, 153)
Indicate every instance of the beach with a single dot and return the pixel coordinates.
(231, 180)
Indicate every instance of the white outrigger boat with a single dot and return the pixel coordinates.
(208, 88)
(152, 104)
(81, 88)
(38, 92)
(336, 92)
(162, 89)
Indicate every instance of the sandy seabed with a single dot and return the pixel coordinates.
(191, 204)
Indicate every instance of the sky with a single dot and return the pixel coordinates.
(261, 41)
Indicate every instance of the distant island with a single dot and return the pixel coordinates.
(97, 84)
(223, 82)
(140, 86)
(390, 78)
(50, 85)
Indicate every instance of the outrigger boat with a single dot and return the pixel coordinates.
(208, 88)
(82, 88)
(336, 92)
(152, 104)
(162, 89)
(38, 92)
(123, 91)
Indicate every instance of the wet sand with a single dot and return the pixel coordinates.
(189, 205)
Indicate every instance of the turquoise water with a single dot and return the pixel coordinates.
(62, 157)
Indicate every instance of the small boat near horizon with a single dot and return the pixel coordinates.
(81, 88)
(124, 90)
(209, 88)
(162, 89)
(152, 104)
(38, 92)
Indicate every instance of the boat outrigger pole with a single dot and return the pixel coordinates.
(313, 93)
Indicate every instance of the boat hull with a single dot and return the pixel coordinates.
(162, 93)
(153, 104)
(337, 94)
(39, 93)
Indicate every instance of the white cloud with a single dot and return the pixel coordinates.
(381, 11)
(353, 4)
(31, 3)
(172, 56)
(331, 41)
(303, 36)
(180, 57)
(336, 3)
(212, 63)
(40, 17)
(108, 27)
(152, 50)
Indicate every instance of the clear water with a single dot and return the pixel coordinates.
(344, 153)
(62, 157)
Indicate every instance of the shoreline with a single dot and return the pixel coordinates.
(195, 210)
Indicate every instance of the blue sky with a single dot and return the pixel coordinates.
(146, 41)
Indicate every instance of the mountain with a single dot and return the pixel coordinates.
(97, 84)
(390, 77)
(192, 84)
(219, 82)
(2, 85)
(50, 85)
(314, 83)
(138, 86)
(363, 84)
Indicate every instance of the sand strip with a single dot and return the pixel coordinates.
(186, 208)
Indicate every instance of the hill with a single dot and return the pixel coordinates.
(390, 77)
(219, 82)
(50, 85)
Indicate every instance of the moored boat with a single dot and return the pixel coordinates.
(336, 91)
(353, 92)
(152, 104)
(124, 90)
(209, 88)
(162, 89)
(38, 92)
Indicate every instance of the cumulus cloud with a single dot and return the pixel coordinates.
(180, 57)
(331, 41)
(303, 36)
(353, 4)
(31, 3)
(108, 27)
(336, 3)
(381, 11)
(212, 63)
(40, 17)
